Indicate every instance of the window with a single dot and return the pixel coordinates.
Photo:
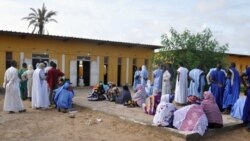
(119, 61)
(8, 59)
(106, 60)
(134, 61)
(146, 62)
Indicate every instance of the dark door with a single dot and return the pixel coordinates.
(119, 73)
(35, 61)
(133, 73)
(86, 72)
(105, 74)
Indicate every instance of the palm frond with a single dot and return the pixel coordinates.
(32, 9)
(53, 20)
(32, 22)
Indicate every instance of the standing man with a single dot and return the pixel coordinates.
(197, 82)
(40, 96)
(157, 76)
(218, 79)
(27, 75)
(53, 79)
(144, 75)
(137, 78)
(166, 84)
(23, 83)
(246, 110)
(235, 88)
(12, 99)
(181, 85)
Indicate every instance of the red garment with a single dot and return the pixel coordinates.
(53, 76)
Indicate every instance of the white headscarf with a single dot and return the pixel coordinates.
(164, 112)
(30, 67)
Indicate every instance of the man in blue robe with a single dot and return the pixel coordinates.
(233, 89)
(157, 75)
(218, 79)
(137, 78)
(63, 97)
(246, 110)
(144, 76)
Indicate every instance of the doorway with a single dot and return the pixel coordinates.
(38, 58)
(105, 75)
(119, 71)
(83, 73)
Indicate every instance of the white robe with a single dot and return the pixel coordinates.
(166, 85)
(181, 86)
(40, 94)
(12, 100)
(194, 85)
(27, 75)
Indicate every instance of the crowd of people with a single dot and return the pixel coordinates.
(200, 108)
(44, 87)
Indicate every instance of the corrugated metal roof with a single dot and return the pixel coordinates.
(65, 38)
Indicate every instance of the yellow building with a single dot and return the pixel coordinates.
(241, 61)
(79, 58)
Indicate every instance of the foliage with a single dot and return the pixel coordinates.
(38, 18)
(191, 49)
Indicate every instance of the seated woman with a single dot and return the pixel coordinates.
(97, 93)
(192, 99)
(139, 97)
(124, 97)
(191, 118)
(212, 111)
(113, 92)
(63, 97)
(152, 103)
(237, 109)
(165, 112)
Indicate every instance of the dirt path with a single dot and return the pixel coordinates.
(46, 125)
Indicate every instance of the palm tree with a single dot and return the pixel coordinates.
(39, 18)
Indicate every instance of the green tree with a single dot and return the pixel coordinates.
(38, 18)
(191, 49)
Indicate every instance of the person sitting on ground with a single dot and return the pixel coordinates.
(165, 112)
(113, 92)
(212, 111)
(192, 99)
(63, 97)
(97, 93)
(124, 97)
(191, 118)
(152, 103)
(237, 109)
(139, 97)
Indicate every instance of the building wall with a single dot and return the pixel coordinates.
(56, 48)
(241, 61)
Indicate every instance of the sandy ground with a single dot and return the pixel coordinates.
(46, 125)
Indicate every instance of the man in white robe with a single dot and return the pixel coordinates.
(27, 75)
(181, 87)
(12, 99)
(197, 82)
(166, 84)
(40, 94)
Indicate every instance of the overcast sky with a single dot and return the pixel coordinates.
(137, 21)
